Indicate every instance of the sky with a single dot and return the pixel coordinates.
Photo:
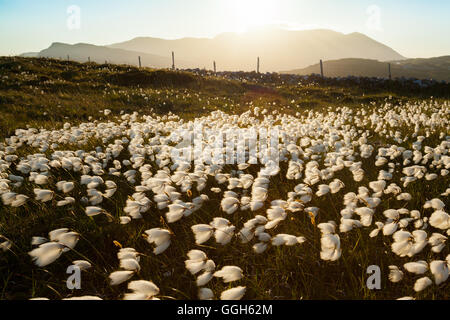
(414, 28)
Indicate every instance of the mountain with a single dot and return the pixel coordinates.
(81, 53)
(29, 55)
(278, 49)
(432, 68)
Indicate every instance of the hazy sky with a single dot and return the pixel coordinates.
(415, 28)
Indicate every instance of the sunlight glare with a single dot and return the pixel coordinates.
(249, 14)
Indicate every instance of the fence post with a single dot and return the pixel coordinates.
(321, 68)
(390, 74)
(257, 66)
(173, 60)
(140, 65)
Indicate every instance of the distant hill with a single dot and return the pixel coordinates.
(81, 52)
(432, 68)
(29, 55)
(278, 49)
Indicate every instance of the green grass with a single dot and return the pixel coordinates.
(47, 93)
(279, 273)
(44, 93)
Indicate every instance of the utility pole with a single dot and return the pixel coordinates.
(321, 68)
(140, 65)
(89, 59)
(257, 66)
(214, 67)
(390, 74)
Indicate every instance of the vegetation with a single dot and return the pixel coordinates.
(432, 68)
(41, 93)
(47, 93)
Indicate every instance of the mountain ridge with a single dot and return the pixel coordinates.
(437, 68)
(298, 51)
(81, 52)
(279, 49)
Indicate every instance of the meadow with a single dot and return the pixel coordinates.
(87, 179)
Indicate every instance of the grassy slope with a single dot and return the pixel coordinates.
(47, 93)
(37, 86)
(433, 68)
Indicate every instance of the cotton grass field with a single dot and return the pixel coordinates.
(88, 178)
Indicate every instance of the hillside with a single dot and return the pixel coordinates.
(433, 68)
(81, 53)
(354, 176)
(29, 55)
(278, 49)
(51, 91)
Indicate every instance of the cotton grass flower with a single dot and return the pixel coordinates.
(5, 245)
(202, 233)
(440, 271)
(129, 260)
(233, 294)
(287, 240)
(260, 247)
(419, 267)
(407, 244)
(196, 262)
(82, 264)
(224, 231)
(230, 205)
(130, 265)
(65, 186)
(61, 240)
(177, 211)
(205, 294)
(67, 201)
(84, 298)
(366, 215)
(331, 247)
(440, 220)
(19, 200)
(229, 274)
(395, 274)
(336, 186)
(436, 204)
(43, 195)
(207, 275)
(159, 237)
(323, 190)
(125, 220)
(119, 277)
(94, 211)
(47, 253)
(422, 283)
(437, 241)
(142, 290)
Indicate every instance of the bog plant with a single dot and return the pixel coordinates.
(353, 187)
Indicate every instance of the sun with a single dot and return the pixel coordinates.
(247, 14)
